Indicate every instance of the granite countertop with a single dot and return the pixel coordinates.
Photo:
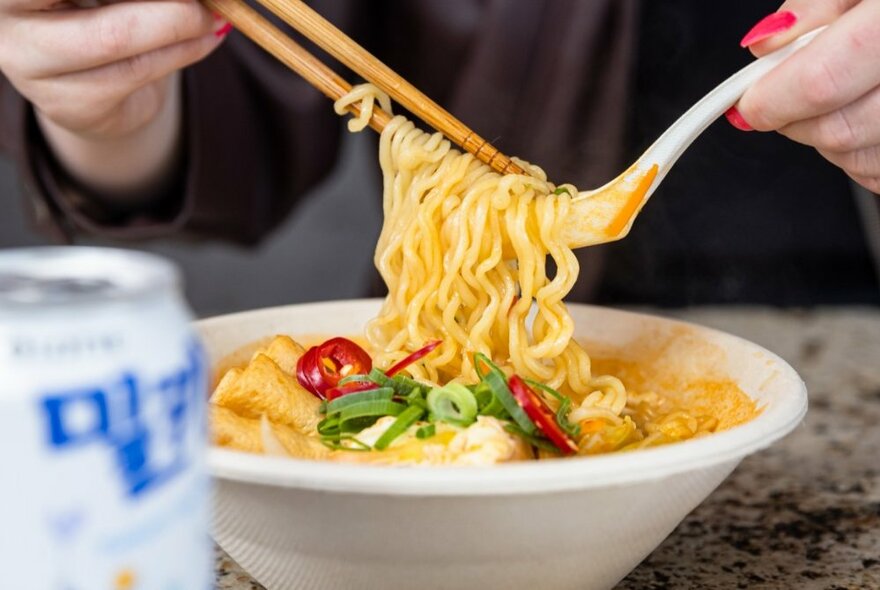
(803, 514)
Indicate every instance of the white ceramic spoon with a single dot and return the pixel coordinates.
(607, 213)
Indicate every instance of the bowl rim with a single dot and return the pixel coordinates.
(577, 473)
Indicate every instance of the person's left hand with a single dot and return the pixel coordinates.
(827, 95)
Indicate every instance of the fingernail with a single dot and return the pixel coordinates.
(769, 26)
(223, 30)
(736, 119)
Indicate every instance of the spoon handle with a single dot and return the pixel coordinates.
(675, 140)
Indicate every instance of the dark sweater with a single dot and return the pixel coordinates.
(577, 86)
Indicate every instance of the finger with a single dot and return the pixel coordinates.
(105, 87)
(64, 41)
(870, 183)
(853, 127)
(793, 19)
(864, 163)
(838, 67)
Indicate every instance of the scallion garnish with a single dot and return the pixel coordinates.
(378, 394)
(406, 419)
(426, 431)
(453, 403)
(356, 379)
(378, 376)
(488, 404)
(369, 409)
(535, 441)
(335, 443)
(497, 382)
(573, 430)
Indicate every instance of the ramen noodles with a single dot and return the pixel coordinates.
(472, 358)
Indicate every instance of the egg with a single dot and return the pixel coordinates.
(485, 442)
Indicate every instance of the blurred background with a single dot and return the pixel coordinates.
(323, 251)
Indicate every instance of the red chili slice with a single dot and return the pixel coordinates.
(321, 367)
(306, 369)
(404, 363)
(540, 413)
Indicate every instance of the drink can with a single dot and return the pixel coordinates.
(102, 425)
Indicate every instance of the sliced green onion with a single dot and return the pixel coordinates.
(407, 418)
(562, 189)
(453, 403)
(402, 384)
(328, 426)
(497, 382)
(488, 404)
(379, 376)
(426, 431)
(379, 394)
(417, 398)
(571, 429)
(336, 444)
(535, 441)
(360, 378)
(370, 409)
(355, 425)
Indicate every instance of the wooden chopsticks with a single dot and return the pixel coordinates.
(321, 32)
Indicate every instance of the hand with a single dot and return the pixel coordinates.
(827, 95)
(102, 78)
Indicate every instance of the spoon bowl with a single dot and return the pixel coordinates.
(606, 214)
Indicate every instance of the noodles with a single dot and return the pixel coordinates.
(464, 252)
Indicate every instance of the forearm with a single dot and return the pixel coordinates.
(128, 170)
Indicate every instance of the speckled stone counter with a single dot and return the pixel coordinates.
(803, 514)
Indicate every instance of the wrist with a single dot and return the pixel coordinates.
(129, 169)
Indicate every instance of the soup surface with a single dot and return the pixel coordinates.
(662, 394)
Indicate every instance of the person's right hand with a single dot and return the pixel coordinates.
(102, 72)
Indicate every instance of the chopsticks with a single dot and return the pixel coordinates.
(326, 36)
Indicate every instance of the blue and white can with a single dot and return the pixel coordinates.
(103, 481)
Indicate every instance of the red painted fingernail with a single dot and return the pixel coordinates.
(736, 119)
(769, 26)
(224, 30)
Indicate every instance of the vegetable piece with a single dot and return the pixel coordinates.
(571, 429)
(356, 379)
(497, 382)
(375, 394)
(420, 353)
(536, 441)
(453, 403)
(369, 409)
(407, 418)
(538, 410)
(426, 431)
(377, 375)
(306, 369)
(323, 366)
(488, 404)
(352, 387)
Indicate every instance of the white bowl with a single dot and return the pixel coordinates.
(575, 523)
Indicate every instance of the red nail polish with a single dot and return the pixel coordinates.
(224, 30)
(736, 119)
(769, 26)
